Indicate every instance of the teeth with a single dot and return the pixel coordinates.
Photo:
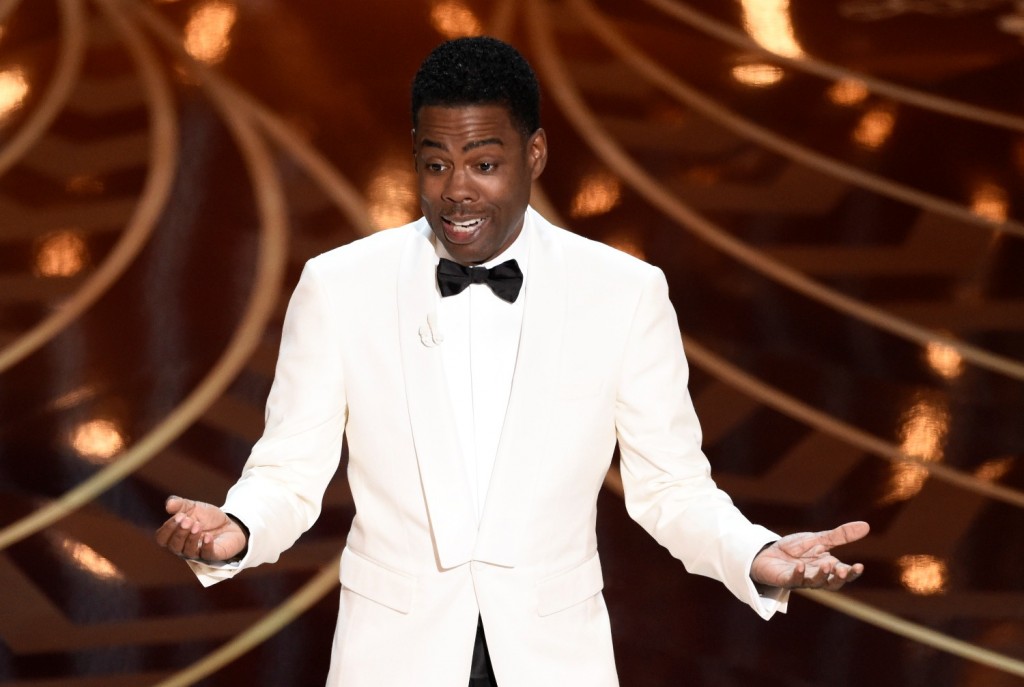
(466, 224)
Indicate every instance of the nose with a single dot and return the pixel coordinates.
(458, 187)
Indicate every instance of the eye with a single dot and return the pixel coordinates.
(487, 167)
(435, 167)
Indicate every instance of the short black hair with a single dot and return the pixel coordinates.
(478, 70)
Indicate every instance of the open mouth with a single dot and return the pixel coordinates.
(462, 230)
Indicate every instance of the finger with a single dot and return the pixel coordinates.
(206, 548)
(845, 533)
(816, 576)
(173, 532)
(852, 572)
(178, 540)
(194, 546)
(836, 582)
(844, 574)
(174, 504)
(165, 531)
(191, 524)
(799, 576)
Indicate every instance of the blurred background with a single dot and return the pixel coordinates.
(835, 189)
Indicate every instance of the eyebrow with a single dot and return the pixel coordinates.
(428, 143)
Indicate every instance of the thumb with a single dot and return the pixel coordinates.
(176, 504)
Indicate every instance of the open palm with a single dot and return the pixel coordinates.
(200, 530)
(805, 560)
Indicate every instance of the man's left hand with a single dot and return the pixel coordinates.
(805, 560)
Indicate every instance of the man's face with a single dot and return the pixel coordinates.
(475, 169)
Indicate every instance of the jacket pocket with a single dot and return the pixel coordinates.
(568, 588)
(377, 583)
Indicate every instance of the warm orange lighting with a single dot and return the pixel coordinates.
(924, 430)
(627, 242)
(89, 560)
(208, 32)
(905, 482)
(995, 469)
(61, 254)
(85, 185)
(769, 23)
(14, 89)
(923, 575)
(944, 359)
(758, 75)
(923, 436)
(97, 441)
(453, 19)
(598, 193)
(875, 127)
(848, 92)
(990, 200)
(391, 197)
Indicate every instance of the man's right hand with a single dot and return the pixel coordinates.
(200, 531)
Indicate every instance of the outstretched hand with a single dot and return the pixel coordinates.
(200, 531)
(805, 560)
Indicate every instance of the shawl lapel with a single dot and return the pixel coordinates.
(527, 419)
(445, 485)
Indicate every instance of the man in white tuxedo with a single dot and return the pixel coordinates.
(483, 364)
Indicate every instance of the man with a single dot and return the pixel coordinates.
(483, 364)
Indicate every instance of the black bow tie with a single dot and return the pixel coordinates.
(505, 279)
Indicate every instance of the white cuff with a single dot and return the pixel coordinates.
(210, 573)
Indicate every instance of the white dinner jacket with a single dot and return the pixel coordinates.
(600, 360)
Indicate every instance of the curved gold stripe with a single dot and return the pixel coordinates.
(268, 278)
(911, 96)
(794, 408)
(586, 124)
(770, 396)
(339, 190)
(292, 607)
(6, 7)
(617, 43)
(69, 64)
(919, 633)
(154, 195)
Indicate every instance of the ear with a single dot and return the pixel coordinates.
(537, 152)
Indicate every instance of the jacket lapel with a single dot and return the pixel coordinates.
(445, 485)
(526, 420)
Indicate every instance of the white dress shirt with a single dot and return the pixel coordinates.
(480, 344)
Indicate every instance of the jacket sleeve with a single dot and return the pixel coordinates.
(279, 493)
(665, 475)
